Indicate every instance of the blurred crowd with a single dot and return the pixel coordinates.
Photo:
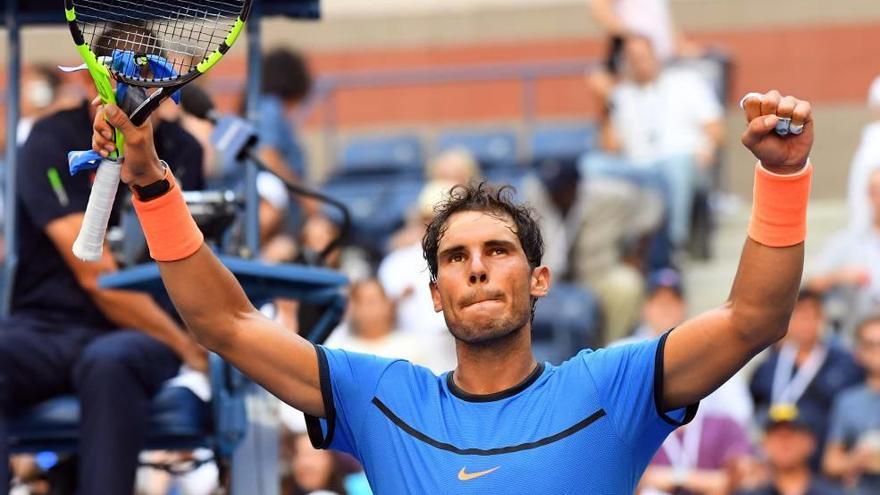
(617, 222)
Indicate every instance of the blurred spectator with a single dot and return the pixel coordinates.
(666, 307)
(807, 369)
(286, 83)
(865, 160)
(853, 449)
(452, 167)
(313, 471)
(456, 166)
(404, 276)
(697, 458)
(584, 224)
(849, 267)
(789, 442)
(665, 124)
(316, 234)
(200, 474)
(43, 92)
(371, 329)
(649, 18)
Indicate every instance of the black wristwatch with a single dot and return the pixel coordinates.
(155, 189)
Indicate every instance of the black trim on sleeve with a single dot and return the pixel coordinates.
(418, 435)
(691, 410)
(503, 394)
(313, 424)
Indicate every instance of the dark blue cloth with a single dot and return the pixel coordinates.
(115, 375)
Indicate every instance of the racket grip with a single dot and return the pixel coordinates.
(89, 244)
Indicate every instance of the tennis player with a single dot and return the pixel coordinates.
(500, 422)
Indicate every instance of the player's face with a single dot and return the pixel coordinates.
(484, 282)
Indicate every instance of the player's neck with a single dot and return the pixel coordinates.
(486, 370)
(793, 481)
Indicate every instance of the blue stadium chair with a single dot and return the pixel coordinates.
(567, 320)
(562, 142)
(394, 155)
(378, 205)
(493, 149)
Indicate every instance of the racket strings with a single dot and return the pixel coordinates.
(184, 32)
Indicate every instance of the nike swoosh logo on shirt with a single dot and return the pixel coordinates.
(465, 476)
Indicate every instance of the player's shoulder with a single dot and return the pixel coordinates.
(622, 354)
(382, 370)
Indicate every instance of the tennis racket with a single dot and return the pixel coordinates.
(151, 48)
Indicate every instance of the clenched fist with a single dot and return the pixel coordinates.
(779, 152)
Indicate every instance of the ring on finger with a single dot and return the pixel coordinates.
(796, 129)
(742, 102)
(783, 126)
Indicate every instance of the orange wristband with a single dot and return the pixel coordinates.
(779, 208)
(171, 232)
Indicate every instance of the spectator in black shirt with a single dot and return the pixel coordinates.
(113, 348)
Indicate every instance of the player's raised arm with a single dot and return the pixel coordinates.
(207, 296)
(705, 351)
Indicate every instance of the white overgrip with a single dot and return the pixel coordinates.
(89, 245)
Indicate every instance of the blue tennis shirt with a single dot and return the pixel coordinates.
(587, 426)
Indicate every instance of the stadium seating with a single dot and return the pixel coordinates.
(561, 142)
(567, 320)
(378, 178)
(382, 155)
(492, 148)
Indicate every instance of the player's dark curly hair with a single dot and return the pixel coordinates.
(485, 198)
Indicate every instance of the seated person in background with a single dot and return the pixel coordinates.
(456, 165)
(286, 83)
(665, 307)
(865, 160)
(370, 328)
(666, 126)
(852, 453)
(789, 443)
(312, 471)
(453, 167)
(585, 223)
(113, 348)
(697, 458)
(850, 264)
(404, 276)
(807, 369)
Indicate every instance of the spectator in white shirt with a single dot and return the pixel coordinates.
(665, 126)
(370, 328)
(404, 276)
(651, 18)
(849, 267)
(866, 159)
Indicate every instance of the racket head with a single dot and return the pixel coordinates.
(191, 35)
